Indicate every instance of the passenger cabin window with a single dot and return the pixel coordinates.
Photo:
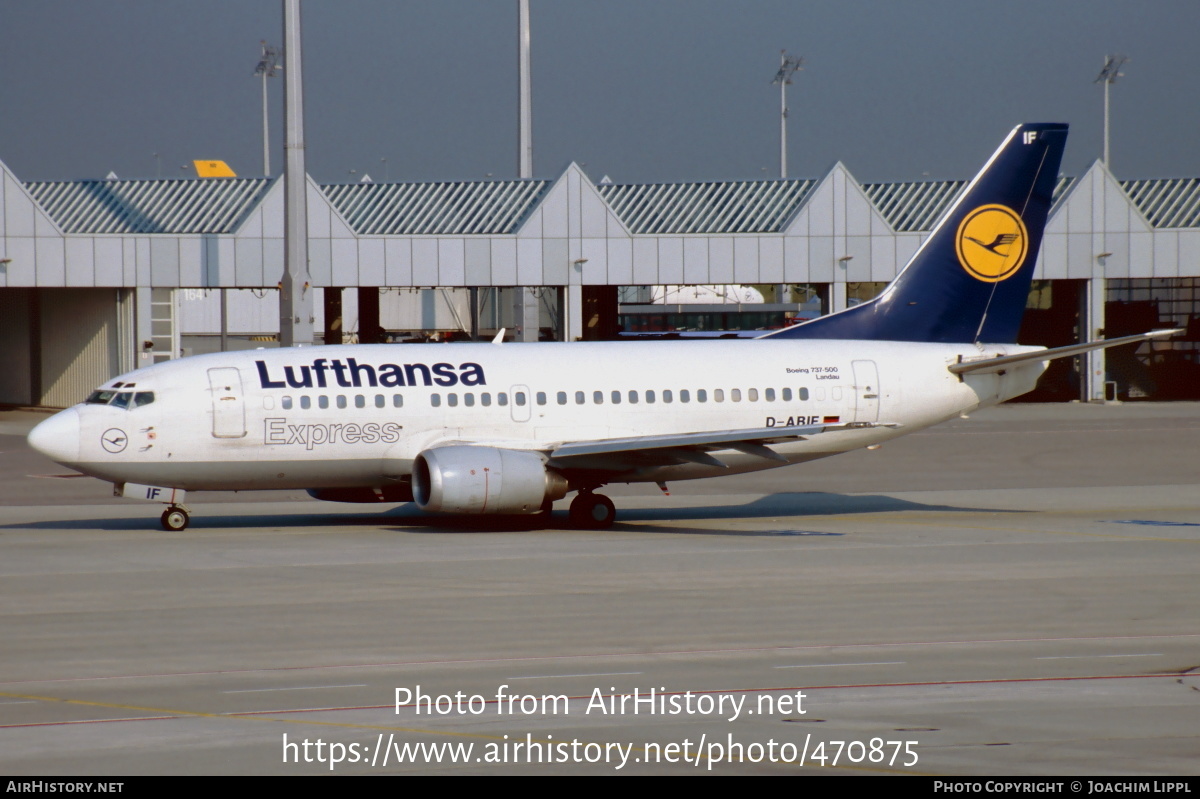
(803, 394)
(379, 401)
(341, 400)
(562, 397)
(360, 401)
(701, 395)
(519, 397)
(667, 397)
(397, 400)
(650, 396)
(469, 400)
(787, 395)
(452, 400)
(684, 395)
(435, 400)
(633, 397)
(580, 397)
(323, 401)
(486, 399)
(286, 402)
(768, 394)
(306, 402)
(598, 397)
(718, 395)
(502, 399)
(541, 398)
(616, 398)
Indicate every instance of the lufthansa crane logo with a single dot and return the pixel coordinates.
(992, 243)
(114, 440)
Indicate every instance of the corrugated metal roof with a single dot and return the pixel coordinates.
(173, 205)
(757, 206)
(913, 206)
(1170, 202)
(919, 205)
(1063, 185)
(191, 206)
(406, 209)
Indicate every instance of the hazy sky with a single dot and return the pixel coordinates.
(640, 90)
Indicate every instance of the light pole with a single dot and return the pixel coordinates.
(525, 94)
(268, 67)
(788, 65)
(1108, 76)
(295, 295)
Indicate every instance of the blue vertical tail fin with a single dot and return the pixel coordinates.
(970, 279)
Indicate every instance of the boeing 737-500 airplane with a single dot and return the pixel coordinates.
(510, 428)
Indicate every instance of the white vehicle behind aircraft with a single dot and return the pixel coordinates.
(510, 428)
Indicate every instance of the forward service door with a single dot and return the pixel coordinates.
(228, 403)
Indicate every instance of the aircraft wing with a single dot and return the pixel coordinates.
(1001, 364)
(642, 451)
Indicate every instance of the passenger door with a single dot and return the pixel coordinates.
(866, 391)
(228, 403)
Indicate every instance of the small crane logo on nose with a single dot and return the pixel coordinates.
(114, 440)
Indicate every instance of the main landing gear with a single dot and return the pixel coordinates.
(592, 511)
(175, 518)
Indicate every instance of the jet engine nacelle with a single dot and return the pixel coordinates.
(465, 479)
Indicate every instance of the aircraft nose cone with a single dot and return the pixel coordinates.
(58, 437)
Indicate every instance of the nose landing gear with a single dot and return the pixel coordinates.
(175, 518)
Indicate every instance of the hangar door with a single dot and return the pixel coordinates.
(75, 340)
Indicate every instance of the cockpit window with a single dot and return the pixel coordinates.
(120, 399)
(100, 397)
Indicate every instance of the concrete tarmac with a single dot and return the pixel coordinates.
(1011, 594)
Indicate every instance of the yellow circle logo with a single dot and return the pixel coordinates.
(992, 243)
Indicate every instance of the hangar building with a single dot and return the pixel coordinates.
(93, 272)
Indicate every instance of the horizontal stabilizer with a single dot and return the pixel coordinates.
(994, 365)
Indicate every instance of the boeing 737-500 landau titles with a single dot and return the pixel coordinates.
(510, 428)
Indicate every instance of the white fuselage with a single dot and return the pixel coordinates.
(357, 416)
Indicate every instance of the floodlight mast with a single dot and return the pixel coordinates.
(525, 111)
(788, 66)
(268, 67)
(295, 290)
(1108, 76)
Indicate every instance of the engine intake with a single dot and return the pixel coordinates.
(465, 479)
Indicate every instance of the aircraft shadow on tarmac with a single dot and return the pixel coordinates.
(789, 509)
